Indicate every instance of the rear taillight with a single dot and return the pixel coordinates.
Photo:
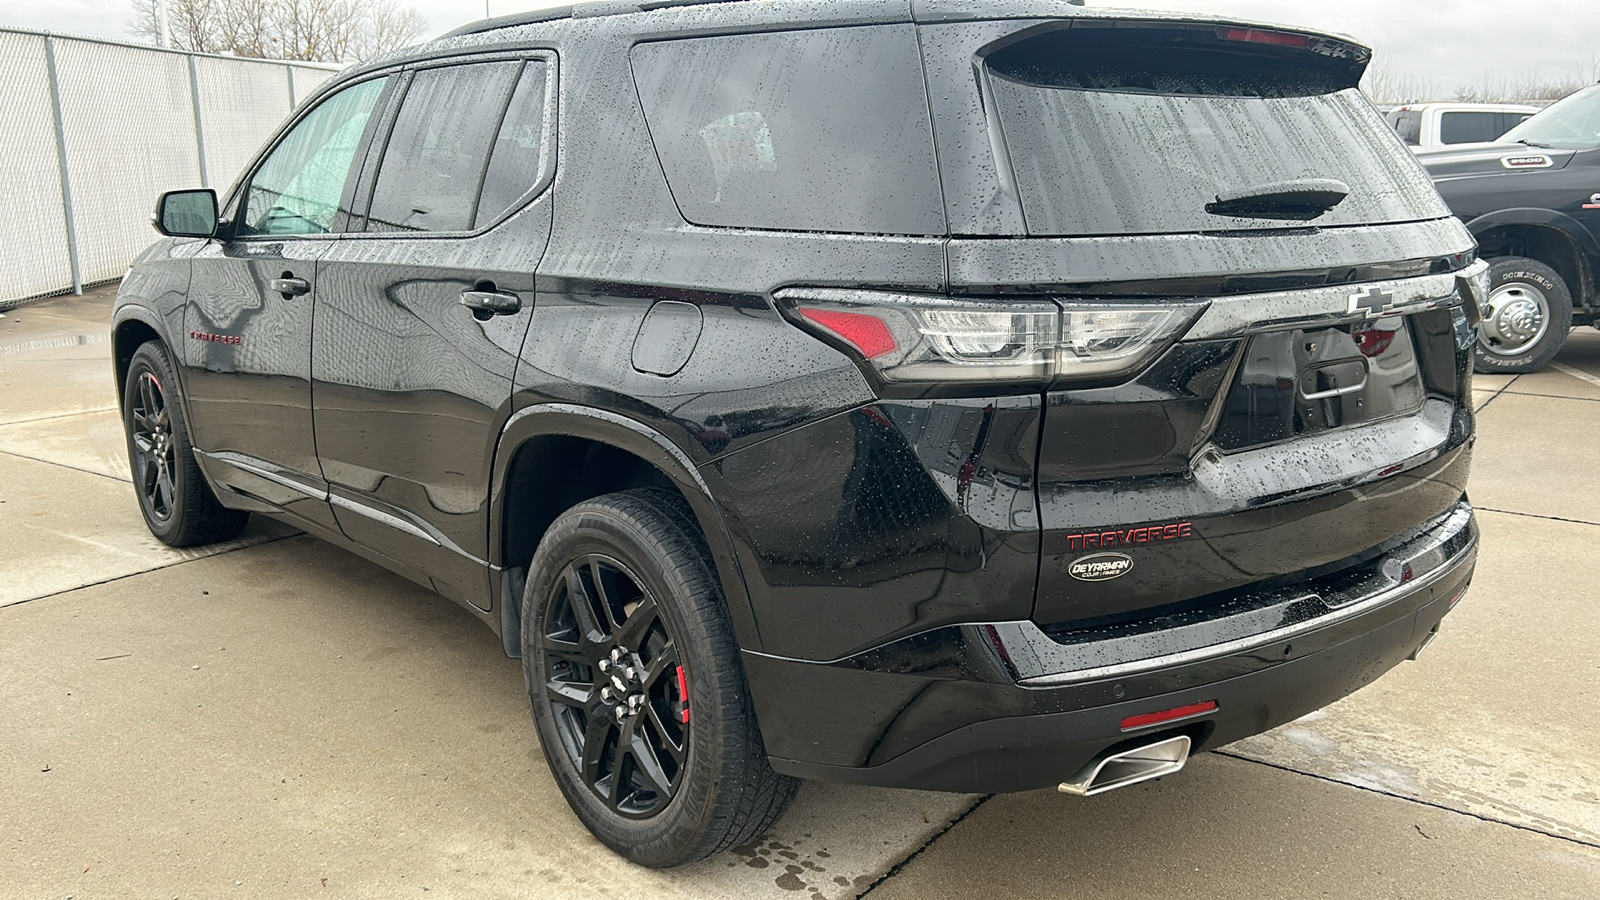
(918, 338)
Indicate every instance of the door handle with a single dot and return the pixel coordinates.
(290, 286)
(494, 303)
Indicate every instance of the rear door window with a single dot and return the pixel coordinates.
(1470, 127)
(1509, 121)
(1135, 130)
(433, 165)
(821, 130)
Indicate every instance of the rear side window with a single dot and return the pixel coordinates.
(521, 159)
(821, 130)
(1470, 127)
(1136, 130)
(433, 165)
(1408, 125)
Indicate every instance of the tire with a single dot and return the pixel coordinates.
(689, 785)
(1530, 315)
(178, 505)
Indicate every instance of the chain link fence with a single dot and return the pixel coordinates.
(96, 130)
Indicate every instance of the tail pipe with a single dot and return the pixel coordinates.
(1107, 773)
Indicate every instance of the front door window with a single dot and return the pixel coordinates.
(298, 189)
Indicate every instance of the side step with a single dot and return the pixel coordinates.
(1129, 767)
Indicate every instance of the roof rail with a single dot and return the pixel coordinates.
(549, 14)
(574, 11)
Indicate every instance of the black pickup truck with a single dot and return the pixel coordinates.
(1532, 199)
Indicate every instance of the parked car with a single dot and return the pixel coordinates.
(1426, 125)
(1533, 202)
(799, 398)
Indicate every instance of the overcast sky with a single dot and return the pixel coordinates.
(1452, 43)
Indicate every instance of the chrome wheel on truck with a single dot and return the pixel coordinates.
(1530, 312)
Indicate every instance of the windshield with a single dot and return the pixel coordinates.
(1572, 124)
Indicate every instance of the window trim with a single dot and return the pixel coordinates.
(366, 182)
(235, 197)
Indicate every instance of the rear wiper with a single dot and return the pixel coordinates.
(1536, 144)
(1301, 200)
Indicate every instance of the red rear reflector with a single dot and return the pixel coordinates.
(866, 333)
(1170, 715)
(1276, 38)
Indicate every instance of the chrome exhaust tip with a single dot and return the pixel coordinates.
(1129, 767)
(1426, 640)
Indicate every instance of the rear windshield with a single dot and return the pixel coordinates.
(1135, 131)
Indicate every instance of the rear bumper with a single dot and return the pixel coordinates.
(1007, 707)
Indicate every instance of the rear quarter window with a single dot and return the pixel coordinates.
(820, 130)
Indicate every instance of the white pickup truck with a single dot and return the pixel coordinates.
(1424, 125)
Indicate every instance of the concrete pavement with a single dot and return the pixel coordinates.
(277, 718)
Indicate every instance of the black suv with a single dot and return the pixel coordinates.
(967, 396)
(1532, 199)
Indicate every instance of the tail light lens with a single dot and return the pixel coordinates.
(924, 339)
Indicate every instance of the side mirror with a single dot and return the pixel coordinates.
(186, 214)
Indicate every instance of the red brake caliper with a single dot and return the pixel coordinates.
(683, 693)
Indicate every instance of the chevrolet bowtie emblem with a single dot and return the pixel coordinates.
(1372, 302)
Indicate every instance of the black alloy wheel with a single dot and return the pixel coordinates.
(621, 697)
(636, 687)
(154, 456)
(178, 505)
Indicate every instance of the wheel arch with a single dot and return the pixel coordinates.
(131, 327)
(1553, 238)
(554, 456)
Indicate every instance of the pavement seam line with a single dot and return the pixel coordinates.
(1576, 373)
(53, 416)
(1552, 396)
(895, 869)
(1417, 800)
(51, 462)
(176, 562)
(1527, 515)
(1494, 396)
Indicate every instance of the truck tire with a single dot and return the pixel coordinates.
(1530, 313)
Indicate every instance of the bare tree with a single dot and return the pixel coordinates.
(246, 28)
(317, 30)
(393, 27)
(146, 21)
(1389, 87)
